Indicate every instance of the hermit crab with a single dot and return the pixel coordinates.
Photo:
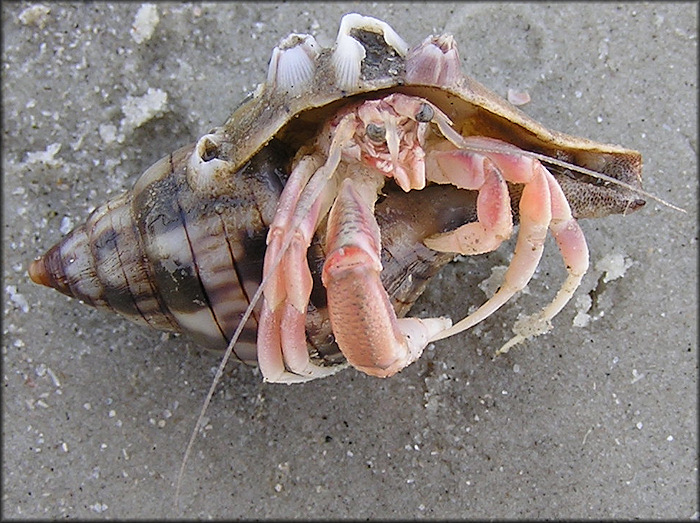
(313, 218)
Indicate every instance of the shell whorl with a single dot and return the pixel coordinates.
(170, 257)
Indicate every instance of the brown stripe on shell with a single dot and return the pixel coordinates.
(194, 242)
(220, 228)
(79, 270)
(246, 289)
(215, 256)
(64, 263)
(142, 197)
(135, 273)
(161, 227)
(111, 264)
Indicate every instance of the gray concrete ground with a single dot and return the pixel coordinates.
(585, 422)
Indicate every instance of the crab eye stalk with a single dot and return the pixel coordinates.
(376, 133)
(425, 114)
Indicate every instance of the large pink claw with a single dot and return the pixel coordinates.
(364, 323)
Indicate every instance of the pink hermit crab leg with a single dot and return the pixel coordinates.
(270, 357)
(543, 205)
(574, 251)
(494, 223)
(535, 217)
(282, 348)
(364, 322)
(549, 198)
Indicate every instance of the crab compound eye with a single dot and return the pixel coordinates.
(376, 133)
(425, 114)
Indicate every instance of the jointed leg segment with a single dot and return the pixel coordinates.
(285, 358)
(542, 206)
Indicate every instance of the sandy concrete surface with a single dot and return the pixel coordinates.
(593, 421)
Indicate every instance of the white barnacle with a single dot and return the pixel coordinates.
(292, 65)
(434, 61)
(349, 53)
(347, 57)
(204, 166)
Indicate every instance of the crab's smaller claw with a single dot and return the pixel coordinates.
(364, 323)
